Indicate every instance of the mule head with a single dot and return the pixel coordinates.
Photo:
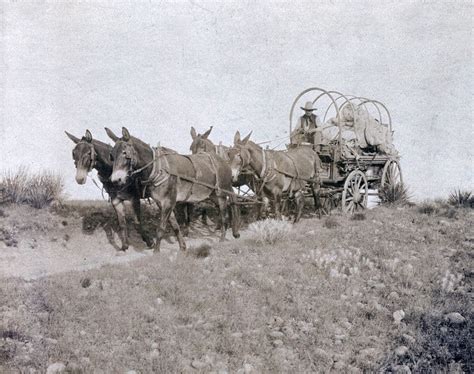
(240, 156)
(239, 159)
(84, 156)
(124, 157)
(238, 141)
(201, 143)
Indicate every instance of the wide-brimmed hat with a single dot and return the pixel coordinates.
(308, 106)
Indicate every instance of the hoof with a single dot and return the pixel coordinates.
(236, 235)
(149, 243)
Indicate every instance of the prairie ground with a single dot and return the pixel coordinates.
(389, 291)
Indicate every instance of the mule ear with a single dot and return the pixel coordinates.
(206, 134)
(111, 134)
(237, 138)
(193, 133)
(125, 134)
(88, 136)
(246, 139)
(72, 137)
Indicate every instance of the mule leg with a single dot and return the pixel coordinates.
(285, 210)
(174, 224)
(264, 209)
(184, 211)
(222, 204)
(139, 222)
(317, 200)
(166, 209)
(299, 198)
(119, 208)
(234, 216)
(277, 202)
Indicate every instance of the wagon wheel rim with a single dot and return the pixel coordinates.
(392, 174)
(354, 196)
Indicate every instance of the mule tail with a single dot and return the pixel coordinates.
(234, 216)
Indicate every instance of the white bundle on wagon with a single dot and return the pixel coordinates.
(368, 130)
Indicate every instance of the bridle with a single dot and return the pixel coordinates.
(245, 162)
(243, 158)
(130, 155)
(93, 155)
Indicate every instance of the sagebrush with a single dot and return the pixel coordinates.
(270, 231)
(37, 189)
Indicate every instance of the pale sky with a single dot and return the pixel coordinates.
(158, 67)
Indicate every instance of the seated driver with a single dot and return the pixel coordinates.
(307, 126)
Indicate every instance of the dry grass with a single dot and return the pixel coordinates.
(320, 301)
(35, 189)
(270, 231)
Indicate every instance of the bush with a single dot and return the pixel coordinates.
(429, 208)
(394, 194)
(270, 231)
(330, 223)
(358, 217)
(464, 199)
(35, 189)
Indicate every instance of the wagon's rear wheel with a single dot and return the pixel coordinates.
(391, 174)
(355, 193)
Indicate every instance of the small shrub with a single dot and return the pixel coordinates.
(270, 231)
(201, 251)
(429, 208)
(394, 194)
(459, 198)
(85, 282)
(330, 223)
(358, 217)
(35, 189)
(8, 237)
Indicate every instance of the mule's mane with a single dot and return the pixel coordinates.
(103, 151)
(140, 143)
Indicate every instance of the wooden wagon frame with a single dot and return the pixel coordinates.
(347, 180)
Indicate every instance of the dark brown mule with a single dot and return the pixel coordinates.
(183, 210)
(279, 171)
(91, 154)
(172, 178)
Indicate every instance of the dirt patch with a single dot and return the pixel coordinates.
(37, 243)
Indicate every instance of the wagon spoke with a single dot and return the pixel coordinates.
(351, 206)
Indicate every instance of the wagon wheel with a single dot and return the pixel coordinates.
(391, 174)
(354, 196)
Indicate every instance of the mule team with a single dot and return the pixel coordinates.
(131, 170)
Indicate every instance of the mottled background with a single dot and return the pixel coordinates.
(160, 67)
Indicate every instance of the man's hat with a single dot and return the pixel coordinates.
(309, 106)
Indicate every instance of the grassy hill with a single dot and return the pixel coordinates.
(378, 291)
